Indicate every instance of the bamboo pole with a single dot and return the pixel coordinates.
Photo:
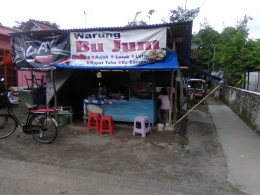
(218, 91)
(196, 105)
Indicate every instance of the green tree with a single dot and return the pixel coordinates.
(54, 24)
(237, 53)
(206, 40)
(230, 51)
(181, 15)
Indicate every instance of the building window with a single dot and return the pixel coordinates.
(7, 72)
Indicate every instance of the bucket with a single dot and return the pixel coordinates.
(64, 119)
(160, 127)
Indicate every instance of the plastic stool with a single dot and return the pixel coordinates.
(93, 122)
(106, 128)
(144, 126)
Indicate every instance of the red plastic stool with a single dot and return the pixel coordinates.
(93, 122)
(106, 128)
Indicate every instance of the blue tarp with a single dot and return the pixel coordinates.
(169, 63)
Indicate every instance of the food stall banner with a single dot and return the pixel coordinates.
(31, 52)
(118, 48)
(169, 63)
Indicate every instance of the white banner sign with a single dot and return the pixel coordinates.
(118, 48)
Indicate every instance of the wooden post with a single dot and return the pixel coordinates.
(170, 127)
(55, 95)
(218, 91)
(175, 98)
(171, 104)
(173, 46)
(171, 98)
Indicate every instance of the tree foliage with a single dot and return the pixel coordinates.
(177, 15)
(51, 24)
(181, 15)
(206, 40)
(234, 53)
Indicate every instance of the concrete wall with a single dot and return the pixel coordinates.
(246, 104)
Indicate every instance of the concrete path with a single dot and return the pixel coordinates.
(241, 146)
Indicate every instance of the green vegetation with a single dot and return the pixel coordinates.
(182, 15)
(230, 51)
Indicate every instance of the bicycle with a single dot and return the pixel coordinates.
(41, 125)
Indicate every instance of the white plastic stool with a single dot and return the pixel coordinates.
(144, 126)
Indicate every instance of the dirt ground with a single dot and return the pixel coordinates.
(192, 160)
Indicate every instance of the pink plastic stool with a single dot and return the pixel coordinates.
(144, 123)
(106, 128)
(93, 121)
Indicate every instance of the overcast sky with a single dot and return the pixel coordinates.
(115, 13)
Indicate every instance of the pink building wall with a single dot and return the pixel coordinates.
(22, 81)
(5, 42)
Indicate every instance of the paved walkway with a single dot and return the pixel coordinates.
(241, 146)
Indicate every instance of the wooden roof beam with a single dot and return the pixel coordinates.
(177, 39)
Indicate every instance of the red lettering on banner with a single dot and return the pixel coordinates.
(97, 47)
(84, 46)
(147, 45)
(131, 46)
(116, 46)
(80, 57)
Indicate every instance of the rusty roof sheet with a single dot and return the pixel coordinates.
(42, 26)
(6, 30)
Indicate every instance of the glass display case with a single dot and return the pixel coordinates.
(142, 90)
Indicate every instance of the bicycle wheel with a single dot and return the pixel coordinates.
(7, 125)
(43, 128)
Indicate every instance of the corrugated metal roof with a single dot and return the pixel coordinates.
(6, 30)
(180, 33)
(40, 25)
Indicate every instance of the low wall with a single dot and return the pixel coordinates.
(246, 104)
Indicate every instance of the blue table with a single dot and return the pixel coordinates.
(87, 101)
